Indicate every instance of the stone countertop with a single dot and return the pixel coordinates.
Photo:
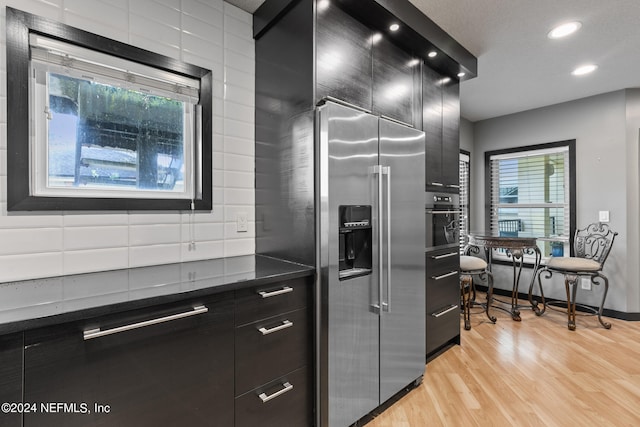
(43, 302)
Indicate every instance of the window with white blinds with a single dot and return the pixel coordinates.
(530, 191)
(464, 198)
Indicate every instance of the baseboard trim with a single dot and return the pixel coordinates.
(615, 314)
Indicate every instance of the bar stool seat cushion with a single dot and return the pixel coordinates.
(471, 263)
(573, 264)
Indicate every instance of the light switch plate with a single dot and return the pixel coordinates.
(603, 216)
(241, 222)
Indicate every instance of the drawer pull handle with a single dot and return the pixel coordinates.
(445, 311)
(287, 387)
(444, 255)
(284, 290)
(285, 324)
(444, 275)
(97, 333)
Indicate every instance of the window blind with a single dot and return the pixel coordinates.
(530, 194)
(464, 199)
(89, 63)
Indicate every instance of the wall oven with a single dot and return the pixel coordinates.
(442, 211)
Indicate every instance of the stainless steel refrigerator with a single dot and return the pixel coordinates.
(371, 264)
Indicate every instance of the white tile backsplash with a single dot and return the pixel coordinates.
(144, 235)
(239, 112)
(206, 33)
(3, 136)
(88, 261)
(239, 95)
(164, 14)
(23, 266)
(238, 180)
(239, 196)
(234, 247)
(233, 162)
(239, 61)
(30, 240)
(99, 237)
(239, 44)
(154, 255)
(238, 129)
(49, 8)
(163, 33)
(237, 27)
(212, 31)
(175, 4)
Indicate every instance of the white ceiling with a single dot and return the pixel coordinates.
(519, 68)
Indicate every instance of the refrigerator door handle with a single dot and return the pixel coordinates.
(378, 171)
(386, 170)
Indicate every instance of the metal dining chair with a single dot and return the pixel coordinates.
(470, 267)
(591, 246)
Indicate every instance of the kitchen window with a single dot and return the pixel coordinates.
(109, 126)
(532, 194)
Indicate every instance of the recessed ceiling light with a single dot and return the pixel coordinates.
(461, 74)
(564, 30)
(323, 4)
(394, 27)
(432, 54)
(584, 69)
(413, 62)
(376, 38)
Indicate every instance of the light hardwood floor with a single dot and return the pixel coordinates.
(530, 373)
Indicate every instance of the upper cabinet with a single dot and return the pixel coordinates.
(361, 66)
(441, 122)
(396, 83)
(343, 58)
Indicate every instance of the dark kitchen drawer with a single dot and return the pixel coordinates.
(262, 356)
(443, 324)
(443, 291)
(155, 367)
(290, 408)
(442, 261)
(262, 302)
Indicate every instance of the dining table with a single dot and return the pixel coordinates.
(515, 248)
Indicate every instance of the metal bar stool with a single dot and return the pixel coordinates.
(471, 266)
(591, 246)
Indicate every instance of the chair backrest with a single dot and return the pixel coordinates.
(594, 242)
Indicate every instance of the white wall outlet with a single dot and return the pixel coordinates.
(603, 216)
(585, 283)
(242, 222)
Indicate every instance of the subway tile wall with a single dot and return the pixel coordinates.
(208, 33)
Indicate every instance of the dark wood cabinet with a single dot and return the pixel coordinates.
(441, 122)
(360, 66)
(451, 135)
(396, 83)
(343, 58)
(166, 365)
(442, 298)
(273, 347)
(11, 378)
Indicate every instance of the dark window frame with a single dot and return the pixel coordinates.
(19, 25)
(571, 143)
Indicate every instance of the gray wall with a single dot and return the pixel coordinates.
(606, 128)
